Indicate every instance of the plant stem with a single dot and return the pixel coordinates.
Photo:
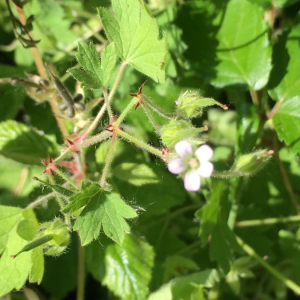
(35, 52)
(284, 175)
(109, 158)
(59, 200)
(269, 221)
(254, 97)
(151, 118)
(96, 138)
(274, 110)
(81, 271)
(139, 143)
(124, 113)
(67, 179)
(62, 156)
(152, 105)
(109, 111)
(118, 77)
(250, 251)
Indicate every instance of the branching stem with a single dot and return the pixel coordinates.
(268, 221)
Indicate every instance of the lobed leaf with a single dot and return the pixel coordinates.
(104, 210)
(136, 36)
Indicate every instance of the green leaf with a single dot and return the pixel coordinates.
(37, 268)
(183, 288)
(14, 272)
(9, 218)
(229, 44)
(128, 268)
(27, 228)
(209, 213)
(284, 80)
(136, 36)
(136, 174)
(287, 123)
(23, 144)
(104, 210)
(82, 198)
(95, 74)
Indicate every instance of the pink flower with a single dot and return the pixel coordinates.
(192, 164)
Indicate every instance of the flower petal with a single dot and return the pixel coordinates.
(205, 169)
(183, 148)
(192, 181)
(176, 166)
(204, 153)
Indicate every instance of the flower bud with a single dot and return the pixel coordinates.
(190, 104)
(177, 130)
(251, 163)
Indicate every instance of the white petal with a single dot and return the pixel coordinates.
(192, 181)
(176, 166)
(183, 148)
(206, 169)
(204, 153)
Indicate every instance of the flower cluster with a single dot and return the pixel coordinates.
(192, 164)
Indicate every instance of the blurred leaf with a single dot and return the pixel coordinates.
(183, 288)
(136, 174)
(37, 268)
(228, 42)
(27, 228)
(104, 210)
(61, 271)
(128, 268)
(14, 272)
(287, 123)
(23, 144)
(95, 74)
(284, 80)
(136, 36)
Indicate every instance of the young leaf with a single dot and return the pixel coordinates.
(95, 74)
(23, 144)
(128, 268)
(104, 210)
(136, 36)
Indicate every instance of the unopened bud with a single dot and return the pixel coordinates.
(251, 163)
(177, 130)
(190, 104)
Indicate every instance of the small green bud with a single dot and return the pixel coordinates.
(177, 130)
(251, 163)
(190, 104)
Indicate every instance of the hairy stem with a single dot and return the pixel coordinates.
(139, 143)
(269, 221)
(284, 175)
(59, 200)
(109, 158)
(96, 138)
(124, 113)
(66, 178)
(250, 251)
(81, 271)
(117, 80)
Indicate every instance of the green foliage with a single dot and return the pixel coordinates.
(95, 74)
(102, 210)
(136, 36)
(23, 144)
(237, 237)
